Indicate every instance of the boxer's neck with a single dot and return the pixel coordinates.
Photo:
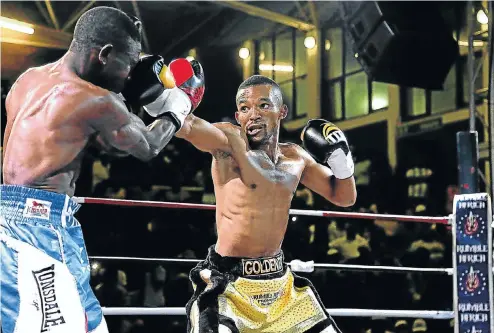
(270, 147)
(80, 65)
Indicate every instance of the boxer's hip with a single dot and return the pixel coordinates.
(21, 204)
(42, 219)
(40, 235)
(250, 295)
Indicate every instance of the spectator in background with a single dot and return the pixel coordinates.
(154, 296)
(401, 326)
(348, 245)
(112, 292)
(419, 325)
(428, 239)
(154, 285)
(101, 171)
(336, 229)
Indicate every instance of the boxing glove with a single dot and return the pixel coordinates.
(180, 101)
(328, 145)
(147, 80)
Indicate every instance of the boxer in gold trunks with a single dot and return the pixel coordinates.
(244, 285)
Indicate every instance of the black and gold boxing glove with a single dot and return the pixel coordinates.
(328, 145)
(147, 80)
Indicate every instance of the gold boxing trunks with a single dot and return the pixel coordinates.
(234, 294)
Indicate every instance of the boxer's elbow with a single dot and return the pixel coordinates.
(149, 154)
(342, 192)
(348, 200)
(186, 130)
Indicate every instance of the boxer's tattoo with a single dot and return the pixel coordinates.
(219, 154)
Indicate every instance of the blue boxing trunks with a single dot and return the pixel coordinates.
(240, 295)
(45, 270)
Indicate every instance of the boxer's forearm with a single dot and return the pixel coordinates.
(202, 134)
(126, 132)
(320, 179)
(141, 141)
(343, 191)
(103, 146)
(158, 135)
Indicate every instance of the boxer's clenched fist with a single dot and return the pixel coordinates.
(147, 80)
(180, 101)
(327, 144)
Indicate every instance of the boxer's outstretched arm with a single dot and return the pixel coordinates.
(126, 132)
(319, 178)
(203, 135)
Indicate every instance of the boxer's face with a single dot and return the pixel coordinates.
(259, 111)
(117, 64)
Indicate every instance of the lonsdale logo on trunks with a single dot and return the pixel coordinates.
(37, 208)
(52, 316)
(262, 266)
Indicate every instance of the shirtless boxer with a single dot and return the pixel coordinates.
(244, 285)
(53, 113)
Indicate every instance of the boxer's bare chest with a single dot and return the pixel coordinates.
(282, 175)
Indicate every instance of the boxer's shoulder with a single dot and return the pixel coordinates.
(294, 151)
(290, 148)
(228, 128)
(224, 125)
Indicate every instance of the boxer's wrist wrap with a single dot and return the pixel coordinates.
(174, 102)
(341, 164)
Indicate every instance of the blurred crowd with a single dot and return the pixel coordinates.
(182, 174)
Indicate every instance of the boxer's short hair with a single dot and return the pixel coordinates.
(260, 80)
(105, 25)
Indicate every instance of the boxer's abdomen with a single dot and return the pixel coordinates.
(251, 222)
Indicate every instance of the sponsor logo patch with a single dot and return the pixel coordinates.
(37, 208)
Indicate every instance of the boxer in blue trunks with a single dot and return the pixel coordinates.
(53, 113)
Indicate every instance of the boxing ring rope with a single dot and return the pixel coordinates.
(296, 265)
(307, 265)
(125, 311)
(301, 212)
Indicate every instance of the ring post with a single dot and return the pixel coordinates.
(472, 263)
(467, 152)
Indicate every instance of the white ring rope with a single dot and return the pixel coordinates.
(134, 311)
(305, 212)
(300, 266)
(176, 260)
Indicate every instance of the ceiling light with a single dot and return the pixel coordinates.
(16, 25)
(327, 45)
(277, 68)
(310, 42)
(244, 53)
(481, 17)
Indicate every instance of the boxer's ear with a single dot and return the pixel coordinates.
(104, 53)
(283, 111)
(236, 117)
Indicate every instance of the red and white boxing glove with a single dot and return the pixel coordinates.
(180, 101)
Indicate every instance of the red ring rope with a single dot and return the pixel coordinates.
(305, 212)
